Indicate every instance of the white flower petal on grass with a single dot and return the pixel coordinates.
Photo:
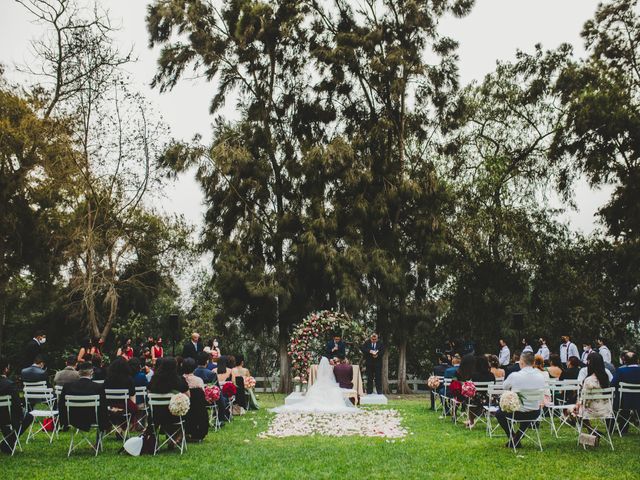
(372, 423)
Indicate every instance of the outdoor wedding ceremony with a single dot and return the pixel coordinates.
(319, 239)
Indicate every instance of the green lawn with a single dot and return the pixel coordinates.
(435, 449)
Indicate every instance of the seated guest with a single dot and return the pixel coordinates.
(215, 356)
(573, 369)
(99, 372)
(343, 373)
(167, 380)
(498, 372)
(596, 377)
(197, 420)
(239, 370)
(629, 372)
(36, 372)
(527, 378)
(68, 373)
(438, 370)
(555, 366)
(482, 373)
(139, 377)
(119, 377)
(148, 369)
(202, 371)
(514, 366)
(466, 369)
(18, 421)
(193, 381)
(455, 364)
(584, 371)
(83, 418)
(224, 374)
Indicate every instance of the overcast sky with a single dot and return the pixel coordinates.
(494, 31)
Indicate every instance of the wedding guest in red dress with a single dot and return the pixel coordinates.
(126, 350)
(157, 351)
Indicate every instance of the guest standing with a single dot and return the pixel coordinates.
(34, 348)
(157, 351)
(543, 350)
(504, 356)
(568, 349)
(586, 351)
(335, 348)
(373, 350)
(603, 350)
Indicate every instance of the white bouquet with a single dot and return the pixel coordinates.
(179, 405)
(510, 402)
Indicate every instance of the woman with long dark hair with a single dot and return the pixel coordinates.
(166, 378)
(467, 368)
(597, 377)
(482, 373)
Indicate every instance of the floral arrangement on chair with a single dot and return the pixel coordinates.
(179, 405)
(468, 390)
(433, 382)
(455, 389)
(249, 383)
(510, 402)
(229, 389)
(211, 394)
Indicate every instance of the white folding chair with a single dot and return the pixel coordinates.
(232, 401)
(143, 408)
(100, 382)
(530, 396)
(34, 396)
(42, 383)
(5, 421)
(160, 401)
(436, 396)
(78, 402)
(482, 389)
(494, 391)
(118, 414)
(563, 398)
(604, 395)
(626, 390)
(214, 420)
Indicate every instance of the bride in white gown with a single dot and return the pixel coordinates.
(324, 396)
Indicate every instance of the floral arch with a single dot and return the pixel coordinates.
(309, 338)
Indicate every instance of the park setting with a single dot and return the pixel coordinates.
(319, 239)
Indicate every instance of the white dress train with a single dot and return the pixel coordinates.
(324, 396)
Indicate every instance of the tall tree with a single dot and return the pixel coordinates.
(256, 50)
(387, 96)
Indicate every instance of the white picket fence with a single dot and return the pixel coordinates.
(266, 384)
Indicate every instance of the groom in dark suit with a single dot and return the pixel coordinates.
(335, 348)
(373, 349)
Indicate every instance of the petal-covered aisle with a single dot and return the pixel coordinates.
(367, 423)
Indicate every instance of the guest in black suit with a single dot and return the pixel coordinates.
(335, 348)
(192, 347)
(34, 348)
(36, 372)
(85, 417)
(18, 421)
(514, 366)
(373, 349)
(629, 372)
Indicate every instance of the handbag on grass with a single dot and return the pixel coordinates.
(588, 440)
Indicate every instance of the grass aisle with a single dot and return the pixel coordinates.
(435, 449)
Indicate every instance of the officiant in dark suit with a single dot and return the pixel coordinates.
(335, 348)
(193, 347)
(373, 349)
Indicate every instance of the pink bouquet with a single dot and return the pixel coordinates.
(433, 382)
(212, 394)
(249, 382)
(468, 390)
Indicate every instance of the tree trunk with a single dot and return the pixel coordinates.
(283, 346)
(385, 371)
(403, 386)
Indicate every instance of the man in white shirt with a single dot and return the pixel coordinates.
(586, 350)
(567, 349)
(603, 350)
(543, 351)
(504, 357)
(528, 378)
